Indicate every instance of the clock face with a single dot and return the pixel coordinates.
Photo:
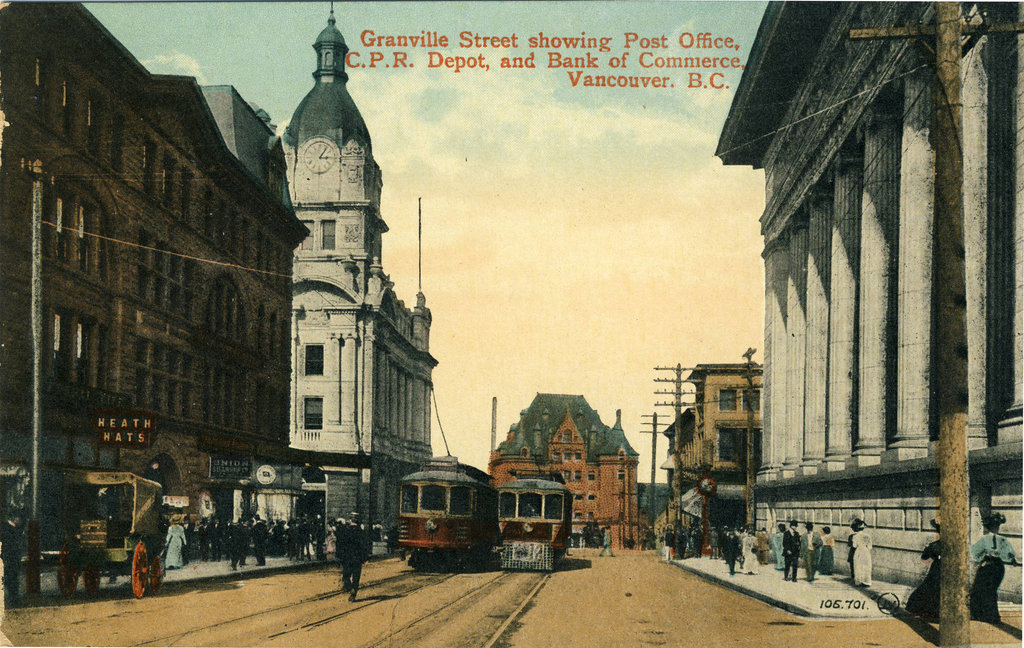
(319, 154)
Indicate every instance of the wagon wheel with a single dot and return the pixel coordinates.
(91, 579)
(140, 570)
(67, 575)
(156, 575)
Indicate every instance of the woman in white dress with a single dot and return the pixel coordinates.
(860, 542)
(751, 565)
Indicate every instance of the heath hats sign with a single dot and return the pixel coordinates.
(126, 428)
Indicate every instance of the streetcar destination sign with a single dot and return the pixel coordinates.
(127, 428)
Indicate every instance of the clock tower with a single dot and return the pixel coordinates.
(361, 364)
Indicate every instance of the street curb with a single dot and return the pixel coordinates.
(764, 598)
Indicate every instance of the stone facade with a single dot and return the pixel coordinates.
(166, 258)
(841, 129)
(361, 358)
(562, 434)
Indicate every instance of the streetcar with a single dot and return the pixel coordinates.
(111, 522)
(448, 516)
(535, 517)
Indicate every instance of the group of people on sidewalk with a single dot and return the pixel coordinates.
(814, 549)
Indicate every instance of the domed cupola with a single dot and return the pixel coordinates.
(328, 110)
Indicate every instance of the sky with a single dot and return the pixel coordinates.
(574, 238)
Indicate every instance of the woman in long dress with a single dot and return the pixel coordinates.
(924, 600)
(991, 553)
(780, 560)
(827, 558)
(751, 565)
(174, 546)
(860, 543)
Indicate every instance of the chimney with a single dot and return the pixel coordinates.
(494, 421)
(618, 418)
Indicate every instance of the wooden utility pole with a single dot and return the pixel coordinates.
(677, 405)
(654, 466)
(951, 37)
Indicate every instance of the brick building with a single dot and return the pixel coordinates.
(166, 265)
(562, 433)
(842, 132)
(711, 437)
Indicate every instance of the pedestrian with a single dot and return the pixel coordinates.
(780, 559)
(714, 540)
(731, 550)
(694, 541)
(670, 543)
(924, 600)
(791, 551)
(174, 546)
(860, 554)
(319, 532)
(751, 564)
(331, 544)
(12, 550)
(682, 533)
(992, 552)
(204, 540)
(216, 533)
(259, 540)
(606, 543)
(810, 550)
(827, 558)
(352, 553)
(762, 546)
(243, 536)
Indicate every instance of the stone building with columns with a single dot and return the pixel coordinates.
(361, 364)
(841, 130)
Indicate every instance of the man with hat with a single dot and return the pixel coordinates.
(791, 550)
(351, 548)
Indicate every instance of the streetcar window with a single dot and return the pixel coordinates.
(409, 496)
(529, 505)
(553, 507)
(507, 502)
(460, 501)
(432, 498)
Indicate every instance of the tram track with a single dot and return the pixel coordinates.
(170, 639)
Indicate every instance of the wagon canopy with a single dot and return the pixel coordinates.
(140, 497)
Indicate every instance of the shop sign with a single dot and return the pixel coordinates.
(177, 501)
(230, 468)
(126, 428)
(266, 475)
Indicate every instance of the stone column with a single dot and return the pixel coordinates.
(348, 381)
(879, 214)
(844, 375)
(916, 227)
(975, 92)
(333, 357)
(393, 401)
(796, 299)
(819, 253)
(1010, 427)
(773, 402)
(415, 405)
(426, 412)
(367, 387)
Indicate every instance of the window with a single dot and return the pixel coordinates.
(327, 235)
(461, 500)
(622, 474)
(576, 456)
(85, 245)
(755, 400)
(185, 194)
(92, 124)
(313, 415)
(577, 476)
(39, 96)
(591, 476)
(307, 244)
(149, 167)
(66, 108)
(575, 515)
(314, 359)
(730, 445)
(117, 143)
(409, 496)
(432, 498)
(553, 507)
(591, 497)
(578, 497)
(507, 505)
(61, 233)
(726, 400)
(529, 505)
(61, 350)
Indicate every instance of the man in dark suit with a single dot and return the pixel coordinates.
(352, 553)
(791, 550)
(259, 540)
(731, 549)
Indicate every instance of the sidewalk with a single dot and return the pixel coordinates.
(828, 596)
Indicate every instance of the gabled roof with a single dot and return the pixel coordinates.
(545, 415)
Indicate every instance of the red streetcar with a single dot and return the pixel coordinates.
(448, 516)
(535, 516)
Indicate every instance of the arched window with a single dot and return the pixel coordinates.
(525, 452)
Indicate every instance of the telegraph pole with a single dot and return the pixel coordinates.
(654, 461)
(677, 405)
(949, 290)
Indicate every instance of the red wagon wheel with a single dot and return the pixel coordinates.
(156, 575)
(91, 579)
(140, 570)
(67, 575)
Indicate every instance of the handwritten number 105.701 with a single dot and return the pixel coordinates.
(848, 604)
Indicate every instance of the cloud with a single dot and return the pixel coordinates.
(176, 63)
